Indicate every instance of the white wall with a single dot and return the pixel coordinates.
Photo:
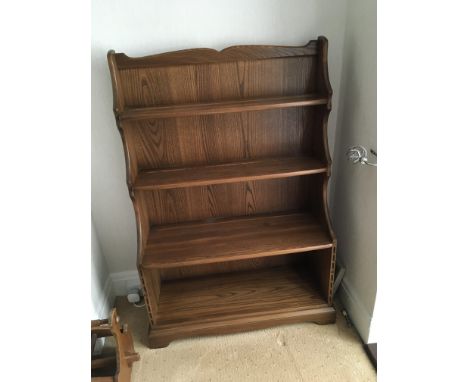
(144, 27)
(101, 285)
(354, 187)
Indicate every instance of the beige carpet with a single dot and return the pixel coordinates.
(299, 352)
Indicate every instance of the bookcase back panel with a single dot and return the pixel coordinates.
(169, 85)
(222, 138)
(226, 200)
(234, 266)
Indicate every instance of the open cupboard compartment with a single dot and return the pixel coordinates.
(226, 297)
(227, 167)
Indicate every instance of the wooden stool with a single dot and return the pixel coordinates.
(116, 367)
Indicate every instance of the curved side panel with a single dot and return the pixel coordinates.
(326, 214)
(323, 44)
(131, 169)
(327, 89)
(323, 48)
(326, 211)
(323, 55)
(324, 143)
(142, 223)
(130, 161)
(115, 77)
(141, 217)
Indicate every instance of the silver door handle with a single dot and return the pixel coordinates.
(358, 154)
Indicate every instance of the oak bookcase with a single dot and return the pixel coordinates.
(227, 167)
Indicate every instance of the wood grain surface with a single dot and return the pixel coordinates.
(215, 201)
(233, 172)
(224, 267)
(226, 81)
(212, 56)
(223, 138)
(221, 304)
(208, 108)
(278, 288)
(233, 239)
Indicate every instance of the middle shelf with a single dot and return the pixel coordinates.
(228, 173)
(230, 239)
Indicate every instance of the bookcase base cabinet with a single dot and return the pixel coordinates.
(227, 166)
(268, 292)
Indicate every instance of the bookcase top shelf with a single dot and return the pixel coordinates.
(207, 108)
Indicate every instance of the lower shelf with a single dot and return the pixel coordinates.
(235, 302)
(229, 239)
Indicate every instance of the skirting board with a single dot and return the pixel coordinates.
(123, 282)
(358, 313)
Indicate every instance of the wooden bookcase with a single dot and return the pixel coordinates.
(227, 167)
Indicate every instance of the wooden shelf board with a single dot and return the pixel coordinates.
(237, 296)
(233, 239)
(228, 173)
(220, 107)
